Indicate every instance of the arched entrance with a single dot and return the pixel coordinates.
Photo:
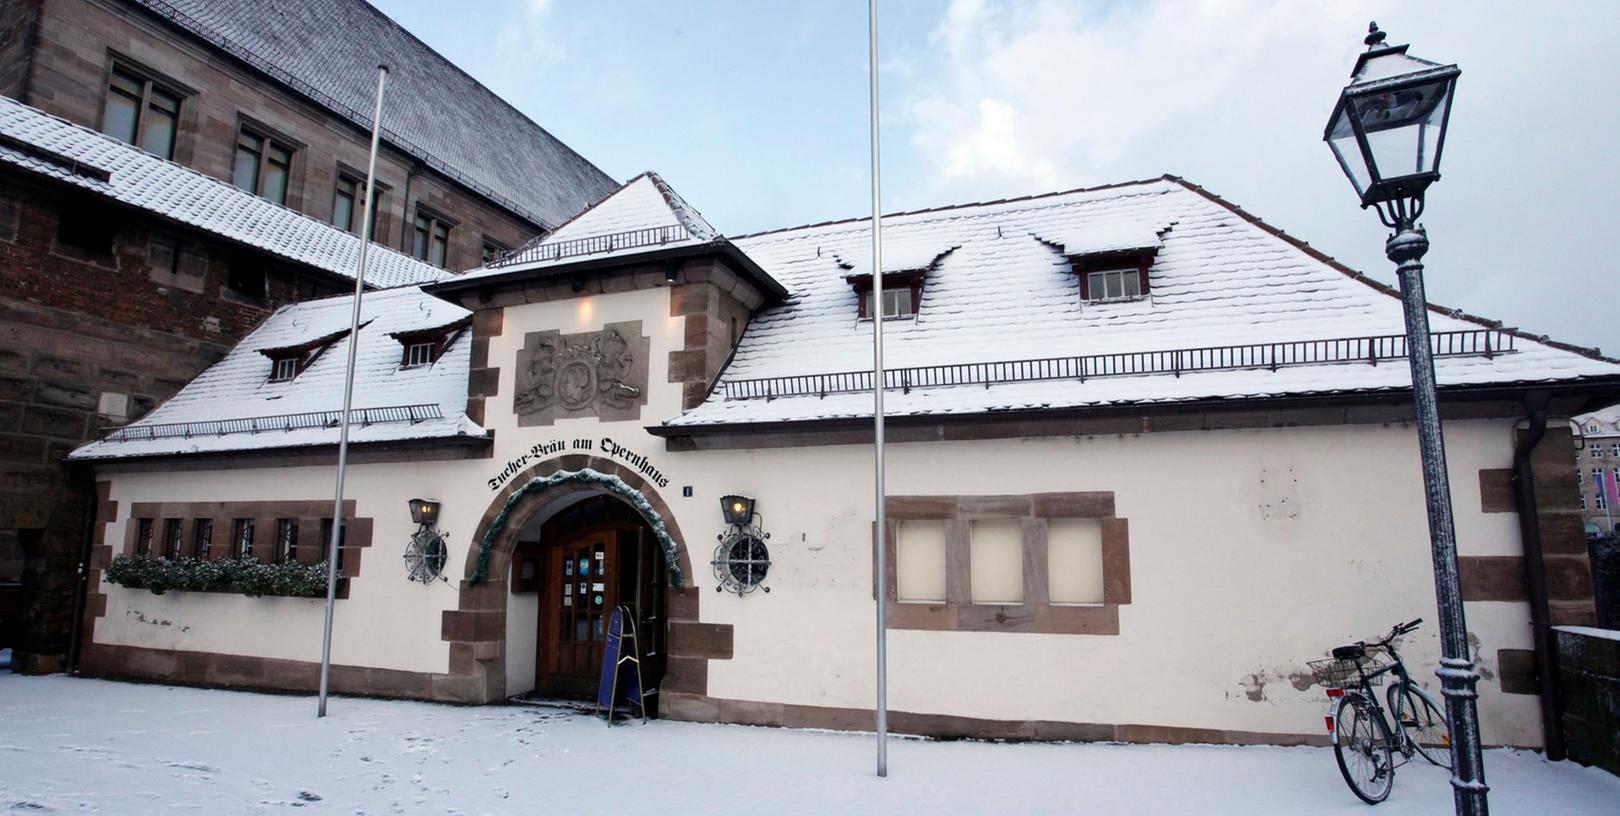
(495, 634)
(581, 561)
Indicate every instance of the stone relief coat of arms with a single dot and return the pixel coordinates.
(601, 374)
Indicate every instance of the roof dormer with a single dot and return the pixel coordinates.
(424, 347)
(287, 362)
(903, 280)
(1112, 261)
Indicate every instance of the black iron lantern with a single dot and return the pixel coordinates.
(1389, 126)
(424, 511)
(737, 509)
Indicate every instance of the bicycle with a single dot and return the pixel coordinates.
(1364, 742)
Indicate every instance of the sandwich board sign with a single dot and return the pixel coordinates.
(621, 667)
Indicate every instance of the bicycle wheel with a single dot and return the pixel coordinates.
(1424, 723)
(1361, 745)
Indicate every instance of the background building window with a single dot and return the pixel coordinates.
(349, 203)
(202, 537)
(87, 225)
(491, 251)
(432, 239)
(242, 537)
(246, 277)
(344, 202)
(262, 165)
(140, 112)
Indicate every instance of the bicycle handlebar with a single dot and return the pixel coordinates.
(1401, 629)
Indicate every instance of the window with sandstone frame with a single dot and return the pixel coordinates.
(1056, 563)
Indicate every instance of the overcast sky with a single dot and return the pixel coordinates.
(757, 113)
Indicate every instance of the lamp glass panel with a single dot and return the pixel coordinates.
(1403, 127)
(1342, 139)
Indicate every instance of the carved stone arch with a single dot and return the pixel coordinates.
(476, 629)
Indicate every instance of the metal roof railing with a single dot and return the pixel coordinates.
(1372, 350)
(281, 422)
(593, 244)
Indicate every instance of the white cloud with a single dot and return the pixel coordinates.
(1033, 95)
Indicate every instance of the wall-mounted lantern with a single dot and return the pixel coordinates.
(425, 511)
(742, 560)
(737, 509)
(426, 554)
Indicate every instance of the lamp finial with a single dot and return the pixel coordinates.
(1374, 37)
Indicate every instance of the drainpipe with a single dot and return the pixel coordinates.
(1524, 482)
(81, 581)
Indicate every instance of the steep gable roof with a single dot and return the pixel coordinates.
(36, 142)
(643, 217)
(1000, 317)
(328, 51)
(233, 405)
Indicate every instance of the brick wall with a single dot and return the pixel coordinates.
(89, 340)
(78, 39)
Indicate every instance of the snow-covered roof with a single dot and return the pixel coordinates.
(1607, 420)
(233, 406)
(40, 143)
(1007, 293)
(644, 215)
(328, 51)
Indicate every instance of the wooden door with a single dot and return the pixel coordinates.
(578, 598)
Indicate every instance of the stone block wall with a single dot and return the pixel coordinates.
(90, 340)
(1589, 686)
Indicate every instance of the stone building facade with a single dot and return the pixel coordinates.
(231, 91)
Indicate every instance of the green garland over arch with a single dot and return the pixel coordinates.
(612, 484)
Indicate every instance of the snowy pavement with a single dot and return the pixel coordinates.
(95, 747)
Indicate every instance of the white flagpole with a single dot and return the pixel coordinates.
(875, 309)
(348, 394)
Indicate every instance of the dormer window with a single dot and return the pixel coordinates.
(417, 354)
(902, 291)
(424, 347)
(283, 369)
(1113, 284)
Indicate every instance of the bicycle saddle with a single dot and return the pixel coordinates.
(1353, 651)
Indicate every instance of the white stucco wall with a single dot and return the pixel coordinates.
(1250, 552)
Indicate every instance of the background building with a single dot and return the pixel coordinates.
(207, 166)
(276, 97)
(1599, 464)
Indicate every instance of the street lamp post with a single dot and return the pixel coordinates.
(1387, 132)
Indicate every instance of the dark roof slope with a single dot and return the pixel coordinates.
(328, 51)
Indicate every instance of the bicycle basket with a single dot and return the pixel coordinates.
(1334, 673)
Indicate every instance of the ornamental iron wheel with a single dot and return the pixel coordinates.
(426, 555)
(742, 560)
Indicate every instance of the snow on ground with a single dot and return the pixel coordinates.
(88, 746)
